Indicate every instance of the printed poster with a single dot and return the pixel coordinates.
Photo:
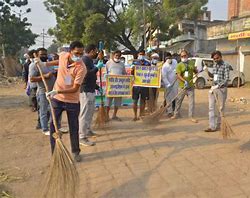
(119, 86)
(147, 76)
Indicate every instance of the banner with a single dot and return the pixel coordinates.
(119, 86)
(239, 35)
(147, 76)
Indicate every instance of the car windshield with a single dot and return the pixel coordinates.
(208, 63)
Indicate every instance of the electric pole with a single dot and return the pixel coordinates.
(43, 34)
(144, 24)
(43, 39)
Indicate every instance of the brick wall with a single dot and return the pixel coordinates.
(244, 8)
(238, 8)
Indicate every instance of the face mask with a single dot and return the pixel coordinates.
(122, 60)
(169, 61)
(219, 62)
(76, 58)
(184, 60)
(140, 57)
(116, 60)
(44, 59)
(154, 61)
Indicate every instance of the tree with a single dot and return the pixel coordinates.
(14, 32)
(53, 48)
(117, 22)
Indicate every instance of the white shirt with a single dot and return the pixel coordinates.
(115, 68)
(169, 73)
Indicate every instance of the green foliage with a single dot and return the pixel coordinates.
(14, 32)
(178, 9)
(117, 22)
(53, 48)
(172, 32)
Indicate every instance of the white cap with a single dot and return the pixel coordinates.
(26, 56)
(155, 55)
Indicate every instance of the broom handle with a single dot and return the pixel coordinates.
(100, 76)
(176, 96)
(50, 104)
(180, 91)
(171, 87)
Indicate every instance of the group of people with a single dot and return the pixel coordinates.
(183, 73)
(72, 84)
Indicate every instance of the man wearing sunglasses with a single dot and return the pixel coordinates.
(220, 77)
(185, 71)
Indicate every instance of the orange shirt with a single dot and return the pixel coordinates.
(67, 76)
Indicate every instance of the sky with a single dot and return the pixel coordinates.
(41, 19)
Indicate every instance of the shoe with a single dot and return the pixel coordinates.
(209, 130)
(169, 115)
(38, 126)
(173, 117)
(46, 132)
(91, 134)
(116, 118)
(63, 130)
(86, 142)
(194, 120)
(135, 119)
(77, 157)
(33, 109)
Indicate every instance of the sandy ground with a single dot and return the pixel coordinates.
(172, 159)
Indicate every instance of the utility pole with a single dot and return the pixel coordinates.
(43, 38)
(144, 24)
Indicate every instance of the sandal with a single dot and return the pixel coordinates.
(116, 118)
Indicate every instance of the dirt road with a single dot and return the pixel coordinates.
(173, 159)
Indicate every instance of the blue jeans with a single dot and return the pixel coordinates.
(72, 110)
(43, 111)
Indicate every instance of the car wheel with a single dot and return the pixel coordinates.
(235, 82)
(200, 83)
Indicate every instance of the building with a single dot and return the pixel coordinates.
(236, 51)
(193, 37)
(238, 8)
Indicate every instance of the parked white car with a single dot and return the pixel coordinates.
(203, 80)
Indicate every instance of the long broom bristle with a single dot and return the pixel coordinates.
(62, 180)
(101, 118)
(226, 129)
(154, 118)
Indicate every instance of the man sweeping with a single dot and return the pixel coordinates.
(220, 77)
(185, 71)
(170, 82)
(65, 95)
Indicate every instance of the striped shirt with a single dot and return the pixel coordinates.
(221, 74)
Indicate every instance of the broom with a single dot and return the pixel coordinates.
(101, 118)
(62, 179)
(226, 129)
(155, 116)
(152, 102)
